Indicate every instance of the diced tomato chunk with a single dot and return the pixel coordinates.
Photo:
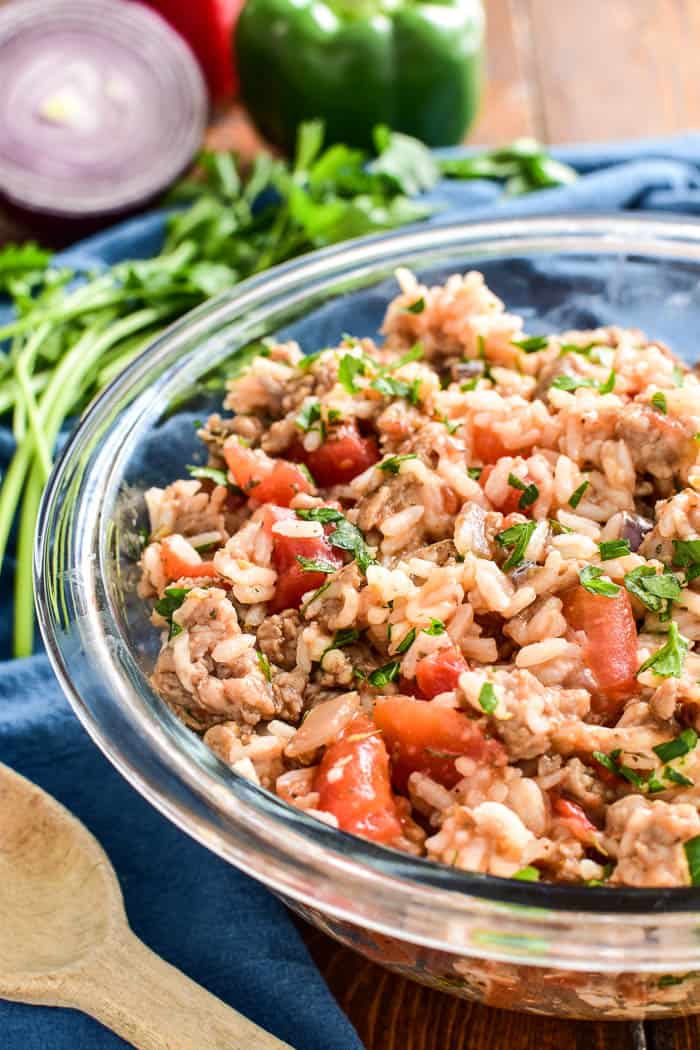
(486, 445)
(342, 457)
(178, 561)
(262, 478)
(293, 580)
(424, 737)
(439, 672)
(354, 785)
(575, 818)
(610, 649)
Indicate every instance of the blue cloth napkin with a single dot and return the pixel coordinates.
(220, 927)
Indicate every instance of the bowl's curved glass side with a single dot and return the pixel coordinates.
(94, 628)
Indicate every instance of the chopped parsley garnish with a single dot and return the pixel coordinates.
(574, 348)
(316, 564)
(610, 549)
(686, 554)
(557, 528)
(383, 675)
(527, 874)
(610, 762)
(658, 400)
(677, 778)
(341, 639)
(392, 465)
(592, 579)
(347, 537)
(488, 701)
(481, 347)
(533, 344)
(530, 493)
(436, 627)
(652, 590)
(350, 367)
(469, 384)
(307, 473)
(609, 385)
(570, 383)
(606, 761)
(517, 537)
(414, 354)
(309, 360)
(322, 514)
(168, 604)
(317, 594)
(417, 307)
(219, 477)
(682, 745)
(451, 426)
(406, 642)
(474, 472)
(667, 662)
(577, 495)
(310, 418)
(390, 387)
(264, 665)
(692, 853)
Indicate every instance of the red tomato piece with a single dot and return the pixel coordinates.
(610, 649)
(427, 738)
(177, 561)
(342, 457)
(575, 818)
(293, 580)
(439, 672)
(354, 784)
(262, 478)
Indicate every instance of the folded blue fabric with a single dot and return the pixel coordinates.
(202, 915)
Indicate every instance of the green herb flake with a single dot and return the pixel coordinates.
(569, 383)
(316, 564)
(383, 675)
(609, 385)
(414, 354)
(672, 774)
(349, 368)
(659, 402)
(527, 874)
(416, 307)
(474, 472)
(610, 549)
(322, 514)
(488, 701)
(591, 577)
(652, 590)
(692, 853)
(316, 594)
(310, 417)
(517, 537)
(309, 360)
(341, 639)
(530, 493)
(170, 602)
(577, 495)
(607, 762)
(531, 345)
(686, 554)
(346, 537)
(667, 662)
(392, 465)
(682, 745)
(406, 642)
(436, 627)
(219, 477)
(264, 665)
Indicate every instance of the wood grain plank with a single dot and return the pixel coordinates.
(391, 1013)
(509, 106)
(611, 70)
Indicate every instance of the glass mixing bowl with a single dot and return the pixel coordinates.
(556, 949)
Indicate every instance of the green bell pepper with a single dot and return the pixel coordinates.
(414, 66)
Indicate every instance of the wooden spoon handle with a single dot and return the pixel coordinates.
(152, 1005)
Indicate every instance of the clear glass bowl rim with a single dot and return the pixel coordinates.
(221, 806)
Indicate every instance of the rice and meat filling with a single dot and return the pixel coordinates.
(444, 593)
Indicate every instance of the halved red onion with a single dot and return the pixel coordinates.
(102, 105)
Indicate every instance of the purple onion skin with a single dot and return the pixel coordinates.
(634, 529)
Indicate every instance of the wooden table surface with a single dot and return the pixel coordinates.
(563, 71)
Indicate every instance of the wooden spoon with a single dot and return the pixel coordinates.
(65, 940)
